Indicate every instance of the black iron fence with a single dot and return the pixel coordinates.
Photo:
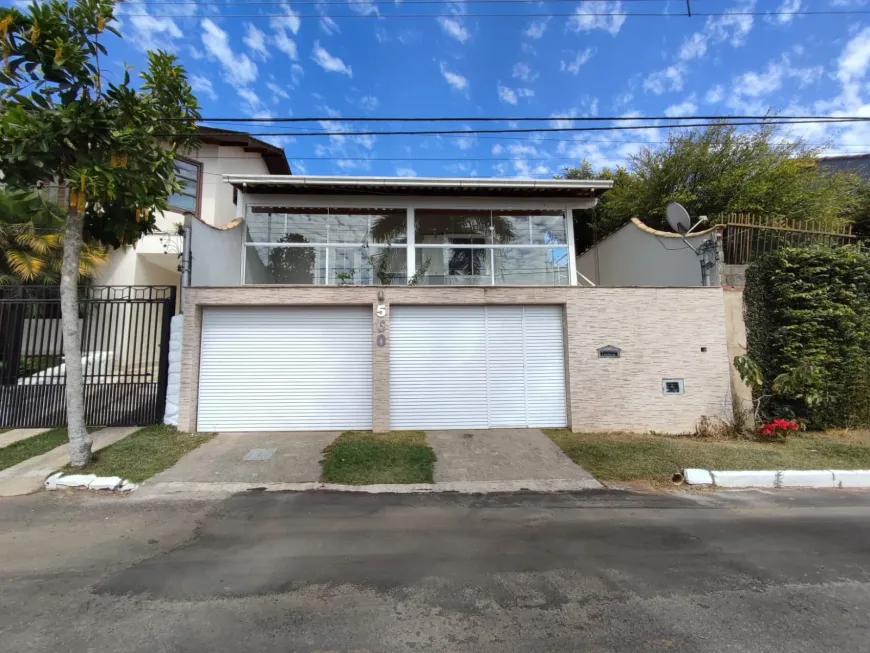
(125, 354)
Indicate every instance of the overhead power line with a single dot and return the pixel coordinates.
(516, 119)
(823, 12)
(469, 132)
(359, 3)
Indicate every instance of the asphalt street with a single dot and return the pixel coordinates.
(316, 572)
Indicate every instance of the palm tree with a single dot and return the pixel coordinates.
(31, 252)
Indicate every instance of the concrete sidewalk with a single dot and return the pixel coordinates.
(253, 457)
(28, 476)
(470, 462)
(16, 435)
(508, 456)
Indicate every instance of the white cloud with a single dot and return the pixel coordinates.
(497, 149)
(290, 20)
(528, 48)
(364, 7)
(406, 172)
(853, 61)
(455, 80)
(329, 62)
(238, 68)
(666, 80)
(580, 57)
(589, 16)
(328, 25)
(758, 84)
(715, 94)
(536, 29)
(506, 94)
(203, 85)
(278, 91)
(152, 33)
(525, 92)
(466, 142)
(368, 102)
(351, 151)
(785, 12)
(734, 26)
(685, 108)
(252, 104)
(454, 28)
(564, 122)
(284, 43)
(256, 41)
(524, 72)
(693, 47)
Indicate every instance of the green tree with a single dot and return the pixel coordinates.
(113, 145)
(721, 170)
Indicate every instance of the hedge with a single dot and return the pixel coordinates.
(812, 307)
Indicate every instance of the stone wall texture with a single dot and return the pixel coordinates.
(173, 385)
(661, 332)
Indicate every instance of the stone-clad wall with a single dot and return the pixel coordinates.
(662, 332)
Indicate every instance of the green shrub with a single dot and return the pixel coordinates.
(808, 330)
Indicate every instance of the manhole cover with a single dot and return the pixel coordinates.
(260, 454)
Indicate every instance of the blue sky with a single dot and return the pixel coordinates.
(285, 59)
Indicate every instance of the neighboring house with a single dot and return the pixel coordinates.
(154, 260)
(399, 303)
(858, 164)
(638, 255)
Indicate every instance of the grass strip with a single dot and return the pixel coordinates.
(365, 458)
(143, 454)
(654, 458)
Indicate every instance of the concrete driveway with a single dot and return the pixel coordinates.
(499, 455)
(255, 457)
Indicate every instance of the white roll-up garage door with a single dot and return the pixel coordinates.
(476, 367)
(285, 369)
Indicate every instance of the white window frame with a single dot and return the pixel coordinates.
(410, 204)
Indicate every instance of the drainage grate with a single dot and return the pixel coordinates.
(260, 454)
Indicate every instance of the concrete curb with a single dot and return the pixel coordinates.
(816, 478)
(459, 487)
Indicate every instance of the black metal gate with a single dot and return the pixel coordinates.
(125, 355)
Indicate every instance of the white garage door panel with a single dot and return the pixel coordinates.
(279, 369)
(545, 366)
(476, 366)
(504, 355)
(437, 367)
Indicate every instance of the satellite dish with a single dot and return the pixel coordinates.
(678, 218)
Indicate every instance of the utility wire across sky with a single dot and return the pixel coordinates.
(533, 130)
(765, 117)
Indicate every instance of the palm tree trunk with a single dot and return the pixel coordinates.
(79, 439)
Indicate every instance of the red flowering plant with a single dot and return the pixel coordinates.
(778, 428)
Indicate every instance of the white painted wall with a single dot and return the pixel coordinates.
(217, 197)
(633, 256)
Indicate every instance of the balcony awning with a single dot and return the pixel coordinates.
(428, 186)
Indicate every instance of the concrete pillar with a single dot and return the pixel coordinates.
(380, 364)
